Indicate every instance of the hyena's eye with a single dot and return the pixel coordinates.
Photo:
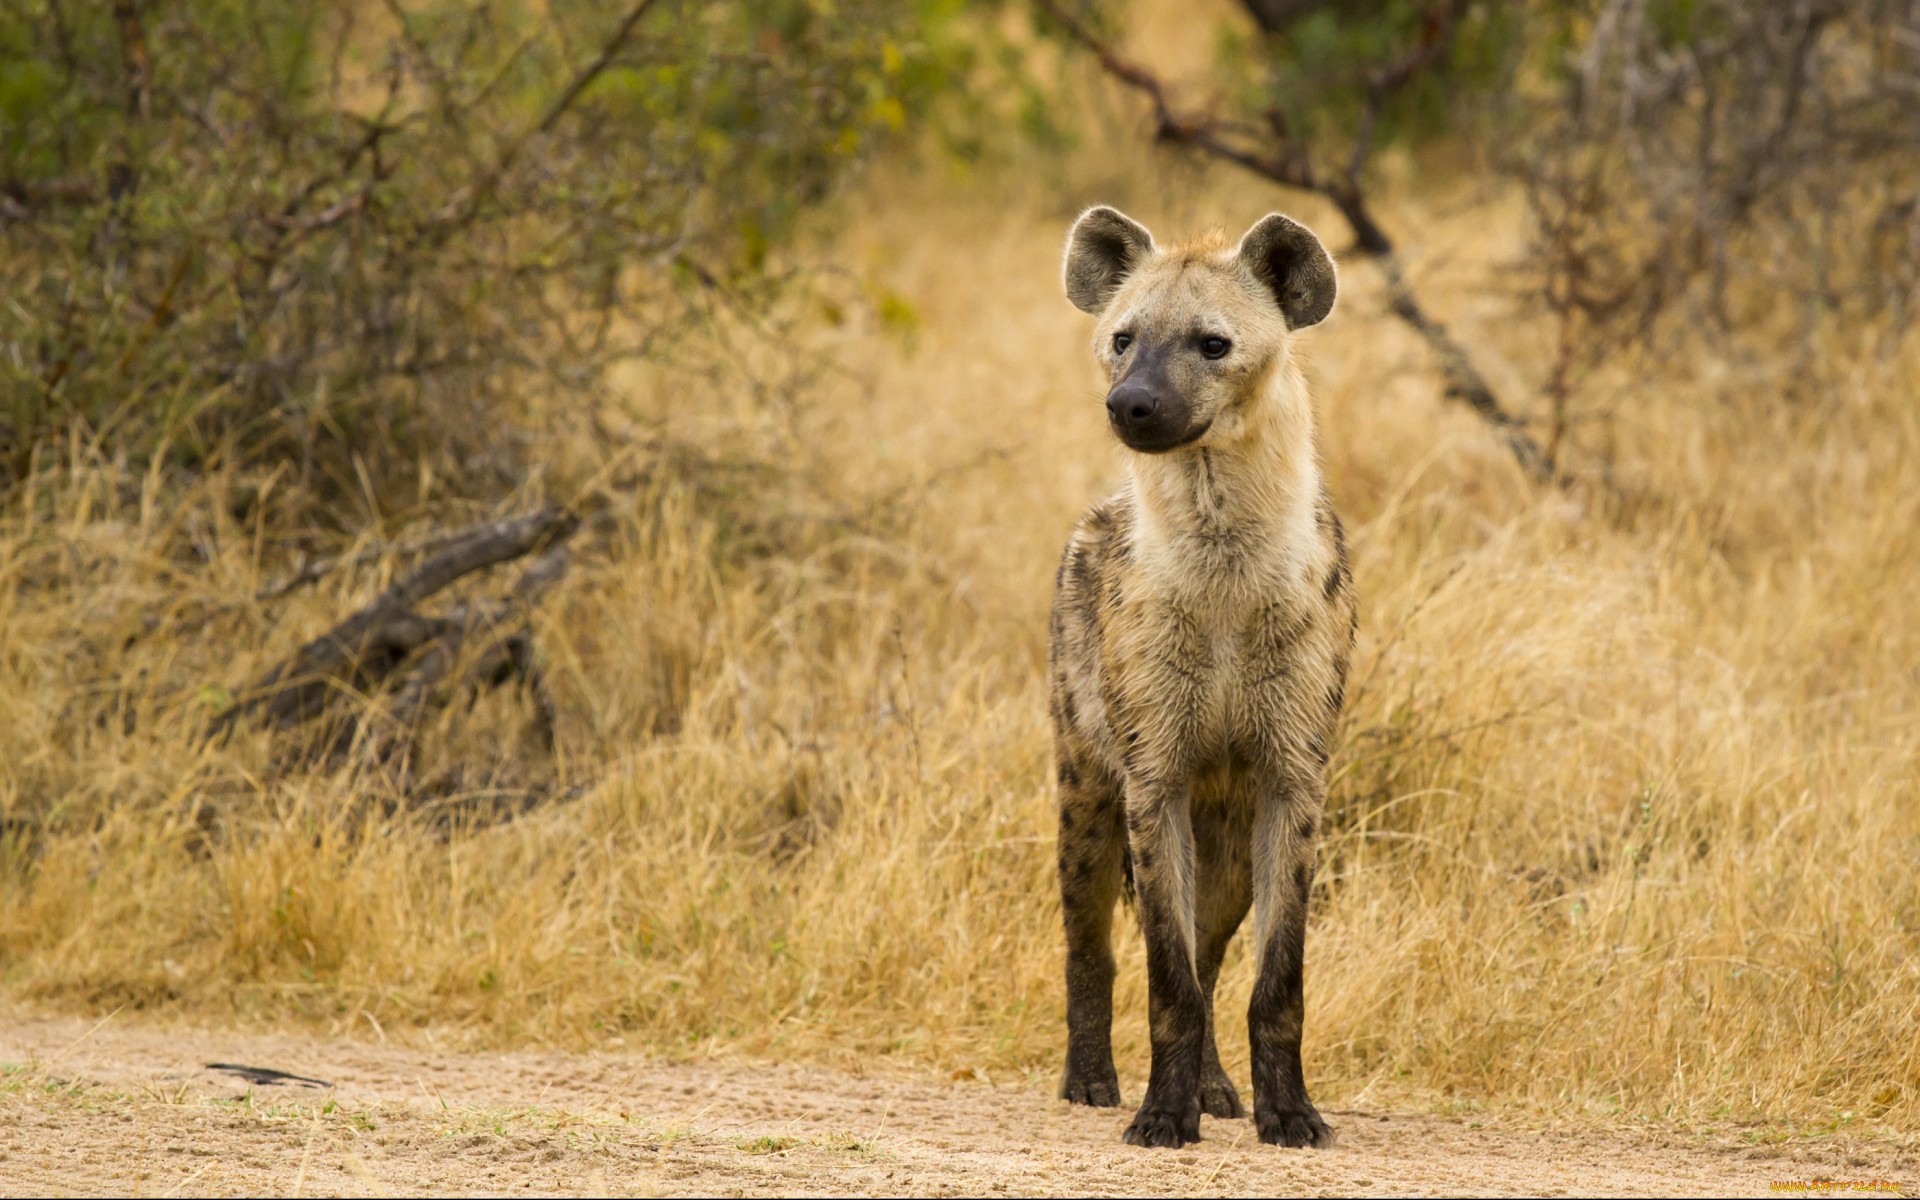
(1215, 347)
(1121, 341)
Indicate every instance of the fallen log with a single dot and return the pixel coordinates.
(368, 647)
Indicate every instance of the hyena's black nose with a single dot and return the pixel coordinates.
(1131, 405)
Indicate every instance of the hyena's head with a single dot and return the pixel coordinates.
(1190, 334)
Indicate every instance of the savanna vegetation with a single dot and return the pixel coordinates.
(684, 399)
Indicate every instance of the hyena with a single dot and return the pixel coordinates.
(1202, 622)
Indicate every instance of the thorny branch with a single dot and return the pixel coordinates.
(1288, 164)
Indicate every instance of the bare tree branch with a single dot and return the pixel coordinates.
(462, 210)
(592, 71)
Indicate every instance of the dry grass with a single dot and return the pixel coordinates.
(1627, 814)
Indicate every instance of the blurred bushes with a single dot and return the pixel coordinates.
(1327, 74)
(328, 240)
(1726, 163)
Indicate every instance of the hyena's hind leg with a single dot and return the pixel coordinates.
(1223, 893)
(1092, 854)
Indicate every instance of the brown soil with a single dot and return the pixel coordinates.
(123, 1109)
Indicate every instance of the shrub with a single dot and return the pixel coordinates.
(331, 238)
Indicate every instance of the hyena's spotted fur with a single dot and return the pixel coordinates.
(1202, 624)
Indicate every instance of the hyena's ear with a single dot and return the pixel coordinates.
(1105, 245)
(1285, 256)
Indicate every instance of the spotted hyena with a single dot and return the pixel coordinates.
(1202, 623)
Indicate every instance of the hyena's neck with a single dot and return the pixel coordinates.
(1245, 505)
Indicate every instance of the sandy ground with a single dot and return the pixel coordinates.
(120, 1108)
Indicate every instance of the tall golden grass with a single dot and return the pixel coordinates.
(1626, 813)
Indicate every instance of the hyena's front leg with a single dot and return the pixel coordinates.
(1160, 836)
(1285, 829)
(1092, 849)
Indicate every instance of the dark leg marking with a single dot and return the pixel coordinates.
(1282, 1113)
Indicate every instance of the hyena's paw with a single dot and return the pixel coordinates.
(1098, 1087)
(1297, 1127)
(1218, 1097)
(1164, 1127)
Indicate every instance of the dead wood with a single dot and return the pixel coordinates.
(367, 648)
(313, 570)
(507, 656)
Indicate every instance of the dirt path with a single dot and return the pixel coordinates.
(127, 1109)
